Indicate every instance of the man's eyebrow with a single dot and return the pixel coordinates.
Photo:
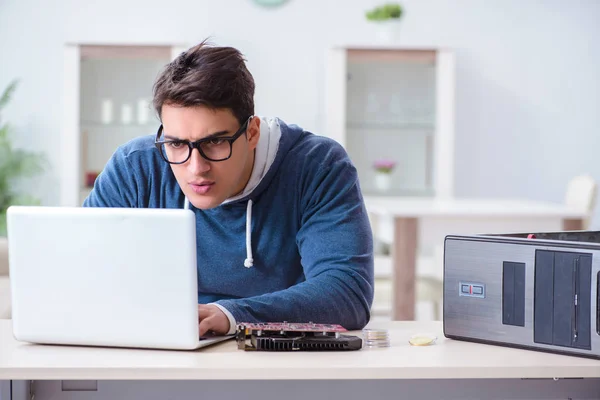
(169, 137)
(211, 136)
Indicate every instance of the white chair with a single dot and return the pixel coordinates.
(430, 279)
(581, 193)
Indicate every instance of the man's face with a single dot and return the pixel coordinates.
(206, 183)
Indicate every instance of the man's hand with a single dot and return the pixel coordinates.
(212, 320)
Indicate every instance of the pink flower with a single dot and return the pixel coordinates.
(385, 166)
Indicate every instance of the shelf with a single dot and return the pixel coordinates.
(144, 52)
(391, 125)
(98, 125)
(397, 103)
(382, 54)
(108, 82)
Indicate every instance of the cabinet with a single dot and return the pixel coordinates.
(396, 104)
(107, 102)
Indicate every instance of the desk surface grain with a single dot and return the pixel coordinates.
(447, 359)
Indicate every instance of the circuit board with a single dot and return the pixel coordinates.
(285, 336)
(292, 327)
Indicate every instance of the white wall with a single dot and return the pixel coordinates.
(528, 72)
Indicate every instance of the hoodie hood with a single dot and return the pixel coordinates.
(264, 156)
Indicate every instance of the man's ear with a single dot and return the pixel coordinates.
(253, 132)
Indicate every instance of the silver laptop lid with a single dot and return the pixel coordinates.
(104, 276)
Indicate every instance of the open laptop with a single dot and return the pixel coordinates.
(123, 277)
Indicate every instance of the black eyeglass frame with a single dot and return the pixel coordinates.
(196, 145)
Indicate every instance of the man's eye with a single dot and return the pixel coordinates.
(216, 141)
(176, 144)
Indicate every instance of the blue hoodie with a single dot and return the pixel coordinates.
(309, 253)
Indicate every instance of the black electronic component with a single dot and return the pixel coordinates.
(295, 337)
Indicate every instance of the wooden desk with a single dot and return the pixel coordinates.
(407, 213)
(448, 369)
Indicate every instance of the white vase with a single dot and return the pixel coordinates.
(383, 181)
(106, 115)
(387, 31)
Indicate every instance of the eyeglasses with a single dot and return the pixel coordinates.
(177, 151)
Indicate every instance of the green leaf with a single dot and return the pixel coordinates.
(2, 223)
(15, 164)
(385, 12)
(26, 164)
(4, 129)
(8, 93)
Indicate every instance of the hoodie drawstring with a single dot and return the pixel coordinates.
(249, 261)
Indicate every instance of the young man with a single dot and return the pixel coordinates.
(282, 230)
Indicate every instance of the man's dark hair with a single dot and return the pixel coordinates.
(215, 77)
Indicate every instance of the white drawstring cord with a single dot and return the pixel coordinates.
(249, 261)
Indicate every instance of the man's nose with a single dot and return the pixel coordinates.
(197, 163)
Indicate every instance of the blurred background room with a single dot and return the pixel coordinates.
(464, 116)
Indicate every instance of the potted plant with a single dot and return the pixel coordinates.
(386, 17)
(14, 165)
(383, 171)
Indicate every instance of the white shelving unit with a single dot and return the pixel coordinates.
(397, 104)
(106, 102)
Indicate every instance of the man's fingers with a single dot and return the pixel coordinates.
(203, 312)
(205, 326)
(204, 320)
